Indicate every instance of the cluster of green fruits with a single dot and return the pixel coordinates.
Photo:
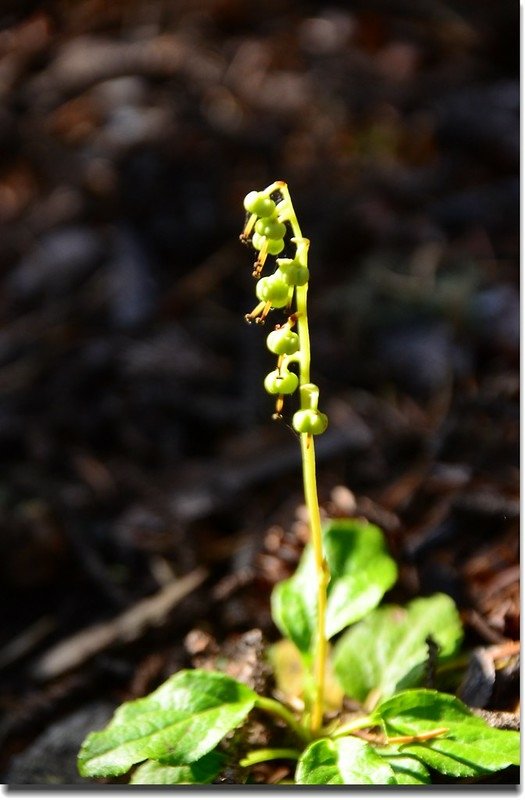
(267, 225)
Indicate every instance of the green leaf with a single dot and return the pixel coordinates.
(387, 651)
(177, 724)
(293, 609)
(406, 768)
(202, 771)
(361, 572)
(468, 748)
(347, 761)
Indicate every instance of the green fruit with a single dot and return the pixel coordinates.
(283, 342)
(272, 289)
(309, 421)
(257, 241)
(283, 382)
(271, 228)
(275, 246)
(257, 203)
(294, 273)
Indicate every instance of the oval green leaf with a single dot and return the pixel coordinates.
(178, 723)
(407, 769)
(361, 572)
(387, 651)
(347, 761)
(468, 748)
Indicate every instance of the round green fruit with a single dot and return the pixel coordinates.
(309, 421)
(283, 382)
(257, 203)
(271, 228)
(275, 246)
(294, 273)
(272, 289)
(257, 241)
(283, 342)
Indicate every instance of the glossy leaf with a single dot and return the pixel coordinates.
(407, 769)
(203, 771)
(347, 761)
(387, 651)
(178, 723)
(469, 747)
(361, 572)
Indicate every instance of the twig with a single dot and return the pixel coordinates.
(126, 627)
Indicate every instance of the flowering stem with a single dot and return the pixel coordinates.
(310, 485)
(321, 643)
(274, 218)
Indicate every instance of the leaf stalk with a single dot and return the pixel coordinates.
(277, 709)
(269, 754)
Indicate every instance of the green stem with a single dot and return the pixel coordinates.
(310, 492)
(354, 725)
(278, 710)
(321, 642)
(269, 754)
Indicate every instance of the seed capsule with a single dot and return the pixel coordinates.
(294, 273)
(258, 241)
(275, 246)
(281, 382)
(271, 228)
(257, 203)
(272, 289)
(309, 421)
(283, 342)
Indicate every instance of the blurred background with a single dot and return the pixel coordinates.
(136, 439)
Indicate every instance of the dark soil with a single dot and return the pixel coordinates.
(136, 440)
